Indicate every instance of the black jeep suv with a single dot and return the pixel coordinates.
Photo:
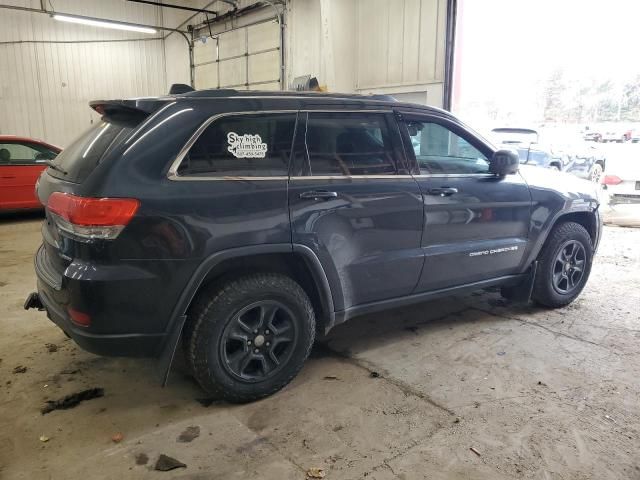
(245, 222)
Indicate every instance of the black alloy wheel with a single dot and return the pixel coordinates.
(258, 340)
(248, 337)
(569, 267)
(564, 265)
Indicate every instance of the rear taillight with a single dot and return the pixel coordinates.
(611, 180)
(91, 218)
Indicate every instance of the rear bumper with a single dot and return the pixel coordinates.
(118, 300)
(624, 198)
(626, 192)
(110, 345)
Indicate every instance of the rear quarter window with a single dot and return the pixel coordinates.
(242, 146)
(82, 156)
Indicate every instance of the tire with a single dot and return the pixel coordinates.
(554, 167)
(557, 284)
(596, 173)
(248, 338)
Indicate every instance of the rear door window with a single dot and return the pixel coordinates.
(242, 146)
(83, 155)
(348, 144)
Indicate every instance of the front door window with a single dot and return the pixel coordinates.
(439, 150)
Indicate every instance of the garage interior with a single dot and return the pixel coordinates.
(469, 387)
(52, 69)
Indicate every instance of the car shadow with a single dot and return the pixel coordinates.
(372, 331)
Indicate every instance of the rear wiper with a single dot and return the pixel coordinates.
(55, 166)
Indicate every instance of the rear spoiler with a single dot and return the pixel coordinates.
(131, 111)
(143, 106)
(138, 106)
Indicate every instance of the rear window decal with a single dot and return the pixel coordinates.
(246, 146)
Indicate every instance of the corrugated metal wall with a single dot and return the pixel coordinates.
(45, 87)
(370, 46)
(401, 48)
(400, 42)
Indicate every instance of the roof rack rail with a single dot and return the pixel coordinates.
(229, 92)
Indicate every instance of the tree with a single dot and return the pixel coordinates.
(630, 109)
(607, 103)
(554, 91)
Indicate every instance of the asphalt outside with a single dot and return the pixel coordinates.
(469, 387)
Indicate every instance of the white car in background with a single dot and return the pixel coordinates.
(623, 187)
(621, 202)
(615, 133)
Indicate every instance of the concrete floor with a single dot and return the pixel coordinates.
(538, 394)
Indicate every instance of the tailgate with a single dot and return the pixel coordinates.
(70, 169)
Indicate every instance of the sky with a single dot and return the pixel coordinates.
(508, 48)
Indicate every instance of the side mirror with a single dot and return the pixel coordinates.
(504, 162)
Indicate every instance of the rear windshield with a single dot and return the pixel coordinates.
(79, 159)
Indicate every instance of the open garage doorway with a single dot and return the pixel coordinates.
(557, 81)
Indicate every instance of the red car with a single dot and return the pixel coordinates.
(21, 162)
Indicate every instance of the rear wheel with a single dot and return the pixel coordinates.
(249, 338)
(563, 265)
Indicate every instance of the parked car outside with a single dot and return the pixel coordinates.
(622, 186)
(245, 222)
(586, 161)
(591, 135)
(526, 142)
(22, 160)
(580, 158)
(615, 133)
(561, 153)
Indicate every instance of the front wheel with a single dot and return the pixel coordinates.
(248, 339)
(564, 265)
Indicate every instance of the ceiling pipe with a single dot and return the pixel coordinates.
(190, 18)
(177, 7)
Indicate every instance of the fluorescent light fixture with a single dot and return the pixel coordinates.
(103, 23)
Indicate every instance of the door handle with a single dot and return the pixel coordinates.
(319, 195)
(442, 191)
(7, 177)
